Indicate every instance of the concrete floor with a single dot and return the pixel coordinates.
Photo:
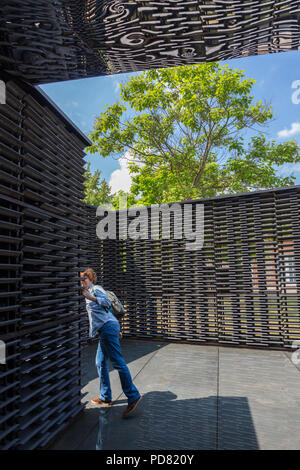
(194, 397)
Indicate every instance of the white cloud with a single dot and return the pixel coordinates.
(121, 179)
(295, 129)
(116, 84)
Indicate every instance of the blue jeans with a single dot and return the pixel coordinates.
(109, 348)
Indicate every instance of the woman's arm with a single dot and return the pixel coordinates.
(88, 295)
(102, 299)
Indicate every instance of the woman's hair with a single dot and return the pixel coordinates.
(90, 273)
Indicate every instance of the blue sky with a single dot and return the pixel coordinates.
(83, 100)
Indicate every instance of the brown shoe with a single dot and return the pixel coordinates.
(98, 401)
(131, 407)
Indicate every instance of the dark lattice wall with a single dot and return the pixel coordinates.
(51, 40)
(242, 287)
(41, 252)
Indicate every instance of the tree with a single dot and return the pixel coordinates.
(184, 133)
(96, 191)
(130, 199)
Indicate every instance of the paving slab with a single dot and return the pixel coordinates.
(194, 397)
(259, 398)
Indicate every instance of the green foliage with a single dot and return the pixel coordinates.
(131, 201)
(97, 191)
(184, 133)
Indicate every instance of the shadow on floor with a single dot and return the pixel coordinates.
(162, 422)
(193, 398)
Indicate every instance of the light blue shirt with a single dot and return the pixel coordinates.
(99, 312)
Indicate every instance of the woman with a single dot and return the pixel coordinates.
(105, 326)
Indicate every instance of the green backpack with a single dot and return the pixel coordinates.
(117, 307)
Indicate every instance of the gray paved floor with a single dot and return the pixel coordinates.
(194, 397)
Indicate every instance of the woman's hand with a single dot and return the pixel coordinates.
(88, 295)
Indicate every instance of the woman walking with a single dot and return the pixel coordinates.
(105, 326)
